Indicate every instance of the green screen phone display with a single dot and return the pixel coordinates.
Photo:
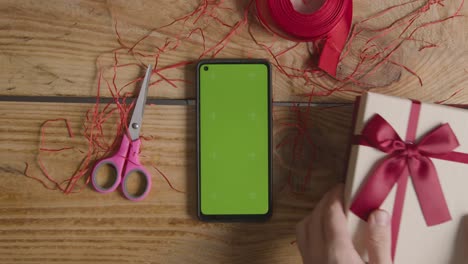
(234, 138)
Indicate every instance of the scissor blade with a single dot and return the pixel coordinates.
(137, 117)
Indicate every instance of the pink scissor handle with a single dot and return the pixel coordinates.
(133, 165)
(117, 161)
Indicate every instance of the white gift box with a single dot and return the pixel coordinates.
(417, 242)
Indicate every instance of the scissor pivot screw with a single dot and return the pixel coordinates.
(135, 125)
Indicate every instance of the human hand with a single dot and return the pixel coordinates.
(323, 236)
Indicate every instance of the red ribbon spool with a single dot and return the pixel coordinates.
(331, 23)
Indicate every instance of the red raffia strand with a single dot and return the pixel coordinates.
(450, 97)
(369, 62)
(44, 126)
(300, 140)
(43, 149)
(358, 28)
(165, 178)
(410, 19)
(407, 69)
(98, 143)
(34, 177)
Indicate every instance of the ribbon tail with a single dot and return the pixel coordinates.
(429, 191)
(377, 186)
(398, 209)
(335, 42)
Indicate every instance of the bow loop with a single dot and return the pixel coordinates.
(441, 140)
(404, 157)
(381, 135)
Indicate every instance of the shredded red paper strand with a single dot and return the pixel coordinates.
(105, 123)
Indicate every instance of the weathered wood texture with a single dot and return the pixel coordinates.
(42, 226)
(55, 48)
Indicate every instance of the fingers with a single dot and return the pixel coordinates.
(309, 230)
(335, 222)
(322, 236)
(335, 227)
(379, 238)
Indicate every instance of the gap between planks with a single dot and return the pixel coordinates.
(66, 99)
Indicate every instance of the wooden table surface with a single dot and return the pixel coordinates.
(50, 56)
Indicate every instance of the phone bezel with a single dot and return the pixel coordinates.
(235, 217)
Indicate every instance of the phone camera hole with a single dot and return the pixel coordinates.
(205, 68)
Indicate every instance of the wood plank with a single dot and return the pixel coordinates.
(55, 48)
(38, 225)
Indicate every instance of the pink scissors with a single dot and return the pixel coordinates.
(126, 160)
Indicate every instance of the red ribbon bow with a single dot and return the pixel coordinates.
(406, 157)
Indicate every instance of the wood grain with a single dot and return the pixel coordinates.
(55, 48)
(42, 226)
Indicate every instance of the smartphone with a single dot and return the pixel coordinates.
(234, 139)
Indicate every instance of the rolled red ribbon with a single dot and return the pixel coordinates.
(331, 23)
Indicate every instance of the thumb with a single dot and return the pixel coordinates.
(379, 238)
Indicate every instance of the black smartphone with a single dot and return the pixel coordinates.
(234, 139)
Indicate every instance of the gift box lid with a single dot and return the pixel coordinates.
(417, 242)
